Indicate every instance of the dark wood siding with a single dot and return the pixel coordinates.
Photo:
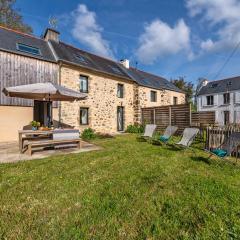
(18, 70)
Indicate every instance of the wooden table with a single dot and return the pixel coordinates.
(30, 132)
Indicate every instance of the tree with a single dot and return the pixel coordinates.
(11, 18)
(187, 87)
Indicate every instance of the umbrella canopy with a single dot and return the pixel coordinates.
(44, 91)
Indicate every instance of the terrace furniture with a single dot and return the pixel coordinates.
(25, 135)
(168, 133)
(62, 138)
(230, 145)
(188, 137)
(148, 132)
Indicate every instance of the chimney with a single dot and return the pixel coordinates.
(204, 82)
(51, 34)
(125, 63)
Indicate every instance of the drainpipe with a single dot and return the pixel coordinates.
(59, 102)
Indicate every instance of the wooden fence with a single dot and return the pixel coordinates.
(215, 136)
(177, 115)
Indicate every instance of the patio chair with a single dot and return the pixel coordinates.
(188, 137)
(148, 132)
(231, 144)
(164, 139)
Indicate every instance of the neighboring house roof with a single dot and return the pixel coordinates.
(224, 85)
(10, 38)
(82, 58)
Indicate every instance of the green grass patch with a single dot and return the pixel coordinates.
(127, 190)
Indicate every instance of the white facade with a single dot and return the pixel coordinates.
(224, 112)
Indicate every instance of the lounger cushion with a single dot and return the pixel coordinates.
(219, 152)
(164, 138)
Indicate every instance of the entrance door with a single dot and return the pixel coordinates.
(43, 112)
(226, 117)
(120, 118)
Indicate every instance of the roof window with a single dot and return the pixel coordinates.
(28, 49)
(81, 58)
(214, 85)
(115, 69)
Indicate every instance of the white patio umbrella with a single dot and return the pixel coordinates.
(44, 91)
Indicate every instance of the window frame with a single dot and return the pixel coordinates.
(80, 115)
(153, 93)
(226, 96)
(175, 102)
(87, 79)
(30, 47)
(121, 92)
(211, 100)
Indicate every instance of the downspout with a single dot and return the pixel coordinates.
(59, 102)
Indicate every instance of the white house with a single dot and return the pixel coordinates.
(223, 97)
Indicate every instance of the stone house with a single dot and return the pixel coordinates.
(222, 97)
(116, 91)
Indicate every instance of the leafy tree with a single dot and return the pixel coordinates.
(11, 18)
(187, 87)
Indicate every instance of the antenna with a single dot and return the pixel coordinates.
(136, 64)
(53, 22)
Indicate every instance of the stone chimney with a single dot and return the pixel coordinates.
(125, 63)
(51, 34)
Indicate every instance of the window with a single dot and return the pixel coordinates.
(84, 116)
(115, 69)
(81, 58)
(226, 98)
(28, 49)
(175, 100)
(153, 96)
(83, 84)
(210, 100)
(120, 90)
(214, 85)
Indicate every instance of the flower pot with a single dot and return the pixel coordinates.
(34, 128)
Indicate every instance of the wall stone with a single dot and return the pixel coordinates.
(102, 101)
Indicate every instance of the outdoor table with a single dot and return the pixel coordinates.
(31, 132)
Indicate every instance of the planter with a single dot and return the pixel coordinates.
(34, 128)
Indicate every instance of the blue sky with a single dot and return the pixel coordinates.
(172, 38)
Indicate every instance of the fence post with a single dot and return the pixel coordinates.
(170, 115)
(190, 115)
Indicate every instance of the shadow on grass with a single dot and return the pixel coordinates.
(201, 159)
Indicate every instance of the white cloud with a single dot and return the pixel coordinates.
(87, 31)
(160, 39)
(222, 14)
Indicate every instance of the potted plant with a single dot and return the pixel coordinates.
(35, 125)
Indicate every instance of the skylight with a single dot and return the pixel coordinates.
(28, 49)
(115, 69)
(81, 58)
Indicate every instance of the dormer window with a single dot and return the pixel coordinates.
(28, 49)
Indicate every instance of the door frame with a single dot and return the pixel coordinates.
(122, 118)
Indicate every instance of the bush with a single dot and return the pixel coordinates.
(136, 128)
(88, 134)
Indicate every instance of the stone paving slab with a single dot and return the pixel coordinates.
(9, 152)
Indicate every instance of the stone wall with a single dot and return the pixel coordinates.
(102, 101)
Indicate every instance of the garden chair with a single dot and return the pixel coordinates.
(148, 132)
(168, 133)
(230, 144)
(188, 137)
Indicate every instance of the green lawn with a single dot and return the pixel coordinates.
(128, 190)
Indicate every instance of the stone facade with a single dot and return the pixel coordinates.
(102, 100)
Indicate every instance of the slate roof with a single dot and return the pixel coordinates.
(224, 85)
(62, 51)
(70, 54)
(10, 38)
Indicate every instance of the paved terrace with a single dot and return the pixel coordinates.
(9, 152)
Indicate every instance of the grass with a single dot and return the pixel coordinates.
(128, 190)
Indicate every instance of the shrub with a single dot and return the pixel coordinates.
(136, 128)
(88, 134)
